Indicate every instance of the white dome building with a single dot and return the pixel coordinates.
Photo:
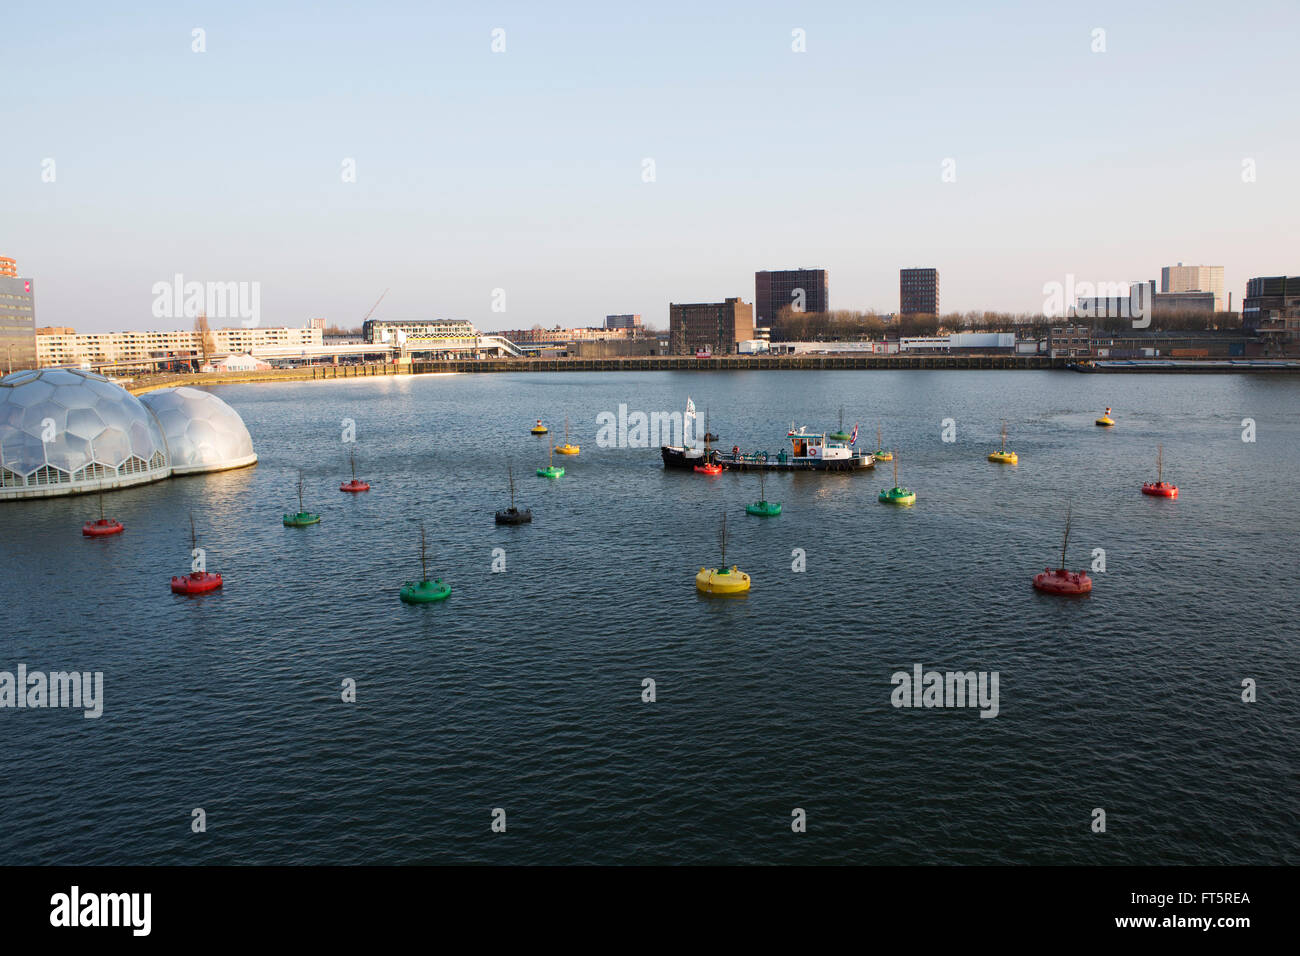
(65, 431)
(203, 433)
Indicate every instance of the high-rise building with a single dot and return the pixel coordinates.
(17, 319)
(1272, 309)
(918, 291)
(623, 321)
(804, 290)
(1181, 278)
(716, 327)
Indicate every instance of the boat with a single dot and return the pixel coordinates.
(687, 456)
(1059, 580)
(104, 527)
(840, 435)
(566, 448)
(199, 580)
(762, 507)
(1106, 421)
(722, 580)
(539, 428)
(1003, 456)
(880, 453)
(356, 484)
(513, 515)
(1160, 488)
(897, 495)
(424, 591)
(303, 518)
(809, 451)
(552, 470)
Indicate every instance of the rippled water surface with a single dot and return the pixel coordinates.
(523, 691)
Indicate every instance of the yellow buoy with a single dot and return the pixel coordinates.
(1106, 421)
(722, 580)
(566, 448)
(1002, 456)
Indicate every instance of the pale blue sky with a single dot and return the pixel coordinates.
(523, 170)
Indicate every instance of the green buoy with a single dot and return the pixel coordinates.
(424, 591)
(552, 470)
(303, 518)
(897, 495)
(763, 508)
(840, 435)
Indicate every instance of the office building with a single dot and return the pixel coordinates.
(1181, 278)
(918, 291)
(1271, 309)
(17, 319)
(717, 327)
(804, 290)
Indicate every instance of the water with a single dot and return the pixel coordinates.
(523, 691)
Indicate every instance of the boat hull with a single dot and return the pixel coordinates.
(684, 459)
(857, 462)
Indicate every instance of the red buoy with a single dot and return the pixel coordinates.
(1061, 581)
(102, 528)
(709, 469)
(356, 484)
(196, 582)
(1160, 489)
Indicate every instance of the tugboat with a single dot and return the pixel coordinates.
(104, 527)
(880, 453)
(355, 485)
(687, 457)
(1003, 456)
(840, 435)
(897, 495)
(1160, 488)
(513, 515)
(1059, 580)
(809, 451)
(1106, 421)
(722, 580)
(539, 428)
(566, 448)
(424, 591)
(762, 507)
(303, 518)
(552, 470)
(199, 580)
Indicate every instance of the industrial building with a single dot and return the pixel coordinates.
(716, 327)
(804, 290)
(918, 291)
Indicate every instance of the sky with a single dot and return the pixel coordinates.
(614, 158)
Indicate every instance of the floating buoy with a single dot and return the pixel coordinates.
(1106, 421)
(709, 468)
(566, 448)
(539, 428)
(896, 495)
(762, 507)
(1160, 488)
(1059, 580)
(356, 484)
(104, 527)
(880, 453)
(424, 591)
(513, 515)
(302, 518)
(722, 580)
(552, 470)
(197, 581)
(1004, 457)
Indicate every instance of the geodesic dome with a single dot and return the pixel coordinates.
(203, 433)
(65, 431)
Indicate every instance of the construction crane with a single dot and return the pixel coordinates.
(373, 307)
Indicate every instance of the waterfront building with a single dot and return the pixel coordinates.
(62, 346)
(563, 336)
(717, 327)
(631, 321)
(918, 291)
(1070, 341)
(1181, 278)
(1271, 309)
(1182, 303)
(17, 318)
(438, 338)
(779, 289)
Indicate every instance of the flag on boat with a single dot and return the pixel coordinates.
(690, 407)
(854, 440)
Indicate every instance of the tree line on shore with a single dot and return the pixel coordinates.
(845, 324)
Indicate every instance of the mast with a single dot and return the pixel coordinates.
(566, 430)
(841, 419)
(352, 457)
(878, 445)
(1066, 542)
(424, 565)
(101, 502)
(1004, 437)
(1160, 462)
(762, 486)
(722, 539)
(895, 467)
(510, 477)
(300, 491)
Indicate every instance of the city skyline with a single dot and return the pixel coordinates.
(483, 179)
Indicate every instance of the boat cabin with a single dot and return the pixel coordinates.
(817, 446)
